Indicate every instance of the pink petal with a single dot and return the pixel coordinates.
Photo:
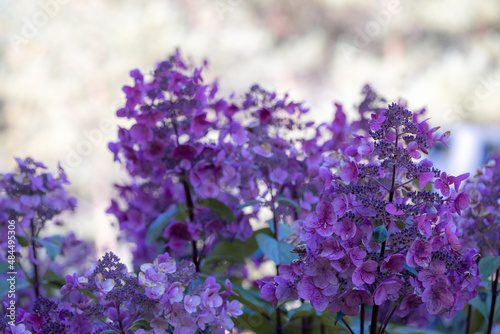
(445, 137)
(424, 178)
(452, 239)
(459, 179)
(462, 202)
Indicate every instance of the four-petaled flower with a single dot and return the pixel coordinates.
(322, 220)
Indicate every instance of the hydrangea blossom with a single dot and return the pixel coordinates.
(372, 191)
(31, 198)
(170, 295)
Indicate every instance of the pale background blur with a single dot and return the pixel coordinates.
(63, 63)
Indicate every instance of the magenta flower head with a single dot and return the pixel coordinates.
(376, 236)
(419, 254)
(387, 290)
(322, 220)
(345, 229)
(364, 273)
(437, 296)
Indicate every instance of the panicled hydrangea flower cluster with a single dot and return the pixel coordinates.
(187, 306)
(188, 145)
(378, 235)
(479, 223)
(170, 297)
(31, 197)
(32, 194)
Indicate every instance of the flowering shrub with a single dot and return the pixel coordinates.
(377, 236)
(352, 215)
(479, 226)
(30, 198)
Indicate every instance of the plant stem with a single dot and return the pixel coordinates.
(36, 283)
(120, 322)
(362, 319)
(347, 325)
(374, 323)
(469, 316)
(494, 293)
(306, 325)
(190, 205)
(382, 329)
(278, 310)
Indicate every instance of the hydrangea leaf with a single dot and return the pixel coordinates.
(290, 202)
(488, 265)
(339, 316)
(380, 234)
(284, 230)
(304, 310)
(220, 208)
(252, 300)
(54, 278)
(234, 251)
(278, 252)
(141, 324)
(481, 303)
(254, 322)
(400, 224)
(5, 285)
(154, 230)
(52, 248)
(23, 241)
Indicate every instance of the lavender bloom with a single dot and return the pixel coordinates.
(437, 296)
(322, 220)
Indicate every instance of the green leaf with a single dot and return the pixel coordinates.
(245, 205)
(290, 202)
(107, 331)
(278, 252)
(380, 234)
(481, 303)
(252, 300)
(144, 324)
(52, 248)
(54, 278)
(253, 322)
(23, 241)
(217, 206)
(304, 310)
(399, 329)
(410, 269)
(4, 267)
(401, 225)
(284, 230)
(87, 293)
(159, 224)
(234, 251)
(5, 285)
(488, 265)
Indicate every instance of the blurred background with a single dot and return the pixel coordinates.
(63, 63)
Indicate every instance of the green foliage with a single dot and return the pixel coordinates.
(218, 207)
(52, 245)
(277, 251)
(154, 230)
(488, 265)
(380, 234)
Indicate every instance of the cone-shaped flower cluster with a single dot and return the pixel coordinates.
(378, 235)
